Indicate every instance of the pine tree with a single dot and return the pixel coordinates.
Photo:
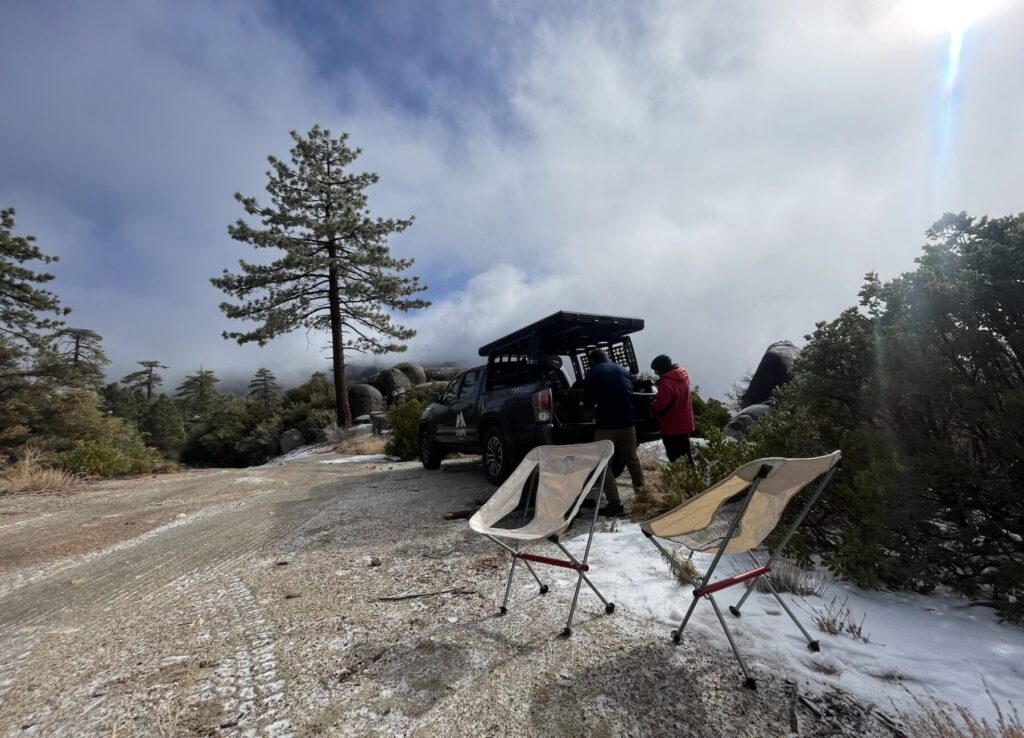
(125, 402)
(198, 394)
(163, 426)
(24, 308)
(264, 388)
(28, 314)
(81, 350)
(146, 378)
(337, 273)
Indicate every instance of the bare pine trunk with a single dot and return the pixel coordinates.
(342, 411)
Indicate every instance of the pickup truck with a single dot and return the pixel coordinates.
(522, 398)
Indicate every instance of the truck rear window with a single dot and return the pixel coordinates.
(502, 374)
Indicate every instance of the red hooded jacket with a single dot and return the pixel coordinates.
(672, 405)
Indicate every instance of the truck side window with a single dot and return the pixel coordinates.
(450, 392)
(468, 388)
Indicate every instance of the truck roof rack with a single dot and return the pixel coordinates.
(564, 333)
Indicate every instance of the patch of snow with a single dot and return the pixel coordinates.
(22, 523)
(302, 452)
(919, 646)
(252, 480)
(360, 459)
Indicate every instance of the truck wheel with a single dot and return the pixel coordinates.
(430, 452)
(497, 457)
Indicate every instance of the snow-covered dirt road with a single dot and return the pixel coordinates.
(273, 601)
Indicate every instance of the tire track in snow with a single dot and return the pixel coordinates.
(246, 683)
(16, 647)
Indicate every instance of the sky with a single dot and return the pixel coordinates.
(728, 171)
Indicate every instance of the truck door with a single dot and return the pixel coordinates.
(446, 414)
(466, 410)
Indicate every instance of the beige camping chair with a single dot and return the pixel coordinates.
(557, 478)
(735, 516)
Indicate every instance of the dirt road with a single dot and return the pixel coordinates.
(248, 603)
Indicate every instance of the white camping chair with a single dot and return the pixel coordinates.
(735, 516)
(558, 478)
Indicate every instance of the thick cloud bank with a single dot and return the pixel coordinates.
(726, 171)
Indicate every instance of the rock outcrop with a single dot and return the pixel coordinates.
(291, 439)
(775, 370)
(415, 372)
(364, 399)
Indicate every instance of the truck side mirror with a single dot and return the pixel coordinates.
(433, 397)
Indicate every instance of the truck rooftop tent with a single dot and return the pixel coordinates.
(570, 334)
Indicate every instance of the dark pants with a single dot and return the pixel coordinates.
(676, 446)
(625, 448)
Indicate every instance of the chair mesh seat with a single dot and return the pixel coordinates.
(714, 534)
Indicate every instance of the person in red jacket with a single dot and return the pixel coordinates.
(672, 407)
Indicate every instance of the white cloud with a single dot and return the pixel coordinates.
(727, 172)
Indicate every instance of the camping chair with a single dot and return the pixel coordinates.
(735, 516)
(558, 478)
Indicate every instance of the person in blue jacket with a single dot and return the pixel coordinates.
(608, 389)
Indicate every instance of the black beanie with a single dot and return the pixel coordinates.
(661, 364)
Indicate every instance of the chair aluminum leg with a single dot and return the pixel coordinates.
(543, 587)
(508, 586)
(586, 555)
(677, 635)
(735, 609)
(811, 642)
(609, 607)
(572, 608)
(748, 679)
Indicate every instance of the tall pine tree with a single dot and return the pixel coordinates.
(81, 350)
(24, 307)
(28, 313)
(146, 378)
(337, 273)
(198, 394)
(264, 388)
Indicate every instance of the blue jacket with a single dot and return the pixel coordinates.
(609, 387)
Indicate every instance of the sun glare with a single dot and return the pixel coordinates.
(947, 16)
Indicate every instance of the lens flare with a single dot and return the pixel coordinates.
(952, 18)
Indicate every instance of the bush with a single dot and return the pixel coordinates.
(221, 439)
(103, 459)
(680, 480)
(707, 414)
(921, 386)
(404, 419)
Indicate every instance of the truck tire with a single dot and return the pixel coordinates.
(497, 456)
(430, 452)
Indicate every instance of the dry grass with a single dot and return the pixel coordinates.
(680, 556)
(941, 720)
(358, 445)
(788, 576)
(837, 619)
(29, 476)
